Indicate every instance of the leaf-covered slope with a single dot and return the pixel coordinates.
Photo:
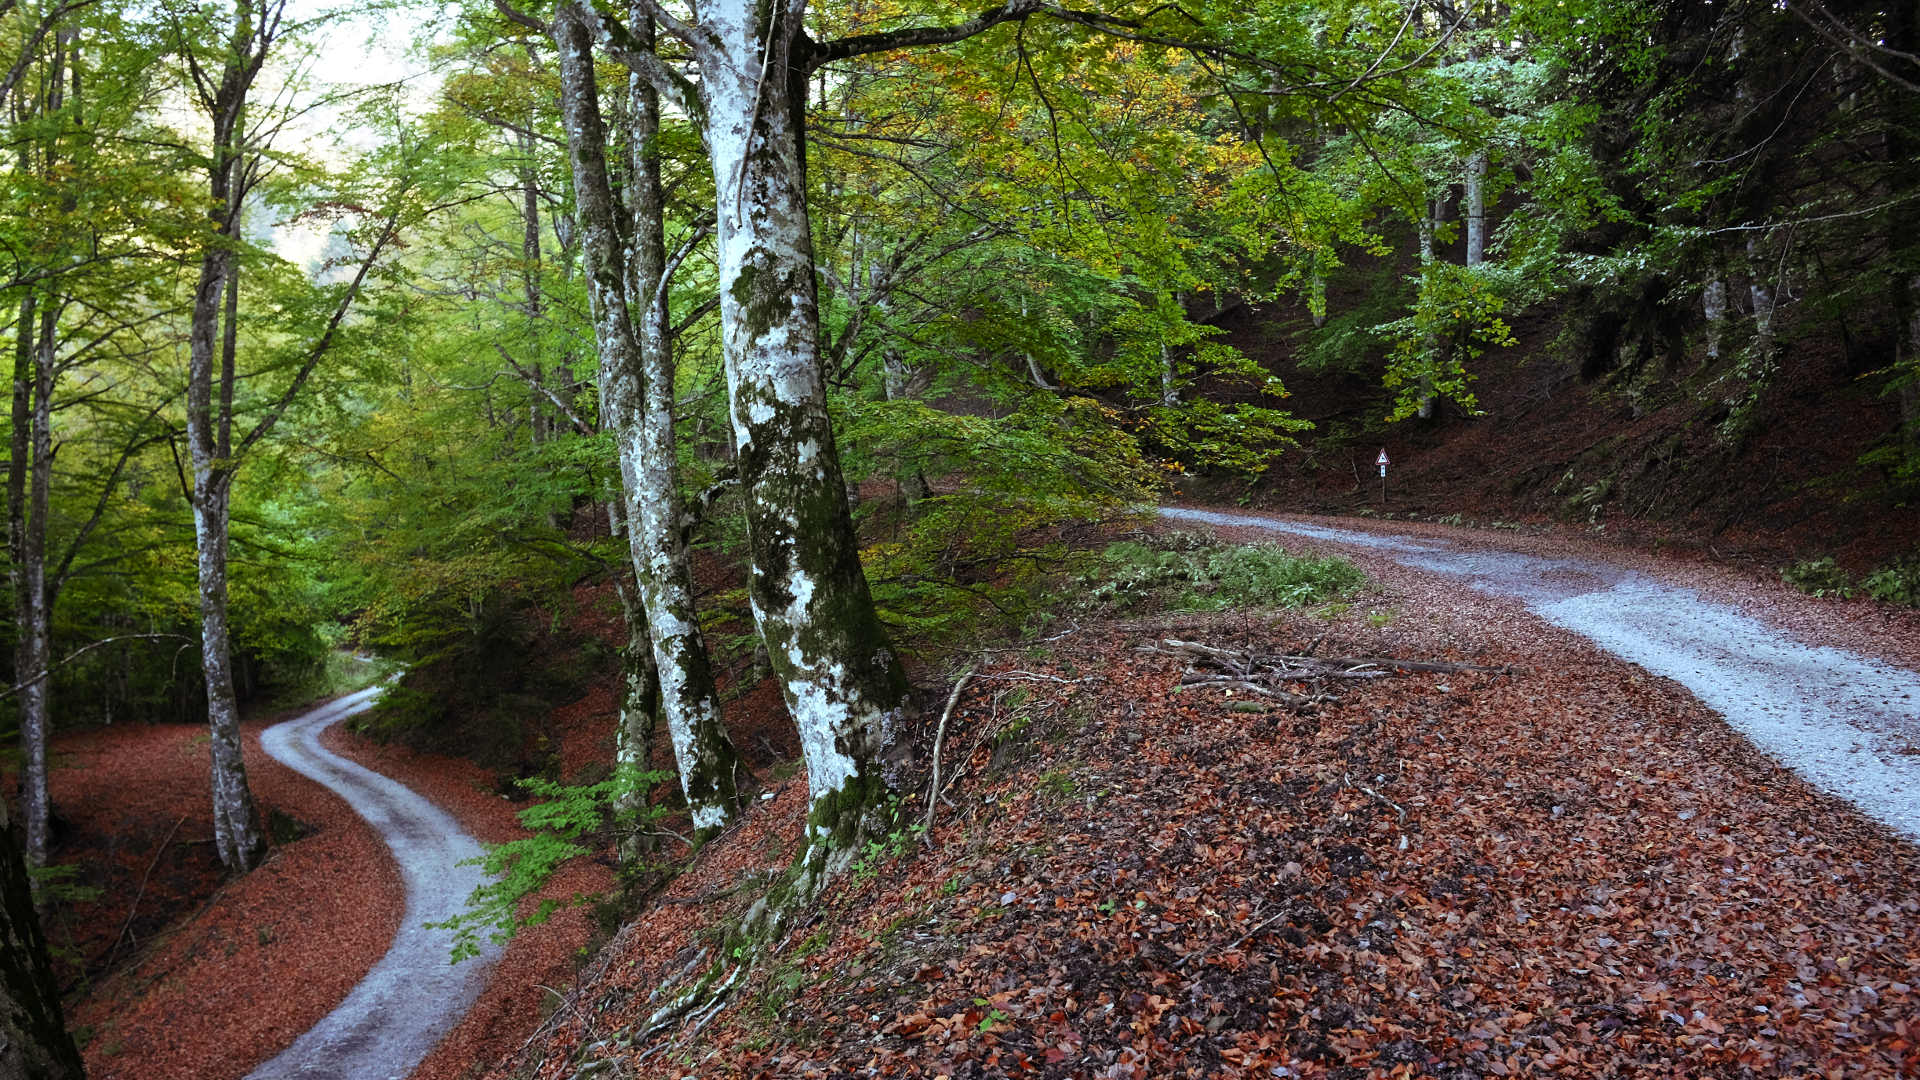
(1571, 869)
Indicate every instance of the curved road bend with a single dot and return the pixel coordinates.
(413, 996)
(1845, 722)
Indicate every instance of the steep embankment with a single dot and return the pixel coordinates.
(1559, 865)
(1635, 448)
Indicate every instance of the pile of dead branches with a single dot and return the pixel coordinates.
(1293, 681)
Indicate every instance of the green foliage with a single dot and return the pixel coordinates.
(979, 555)
(478, 693)
(1183, 572)
(562, 826)
(1819, 577)
(1897, 582)
(1455, 320)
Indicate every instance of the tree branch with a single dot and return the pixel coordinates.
(914, 36)
(325, 341)
(619, 43)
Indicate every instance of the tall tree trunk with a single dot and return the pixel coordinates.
(636, 388)
(238, 838)
(34, 1043)
(1476, 208)
(211, 375)
(837, 670)
(32, 654)
(639, 706)
(30, 479)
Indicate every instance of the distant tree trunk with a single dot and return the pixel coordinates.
(1902, 126)
(1762, 293)
(1169, 375)
(895, 380)
(1713, 304)
(636, 388)
(1428, 226)
(840, 676)
(1034, 371)
(34, 1044)
(1910, 388)
(539, 413)
(1476, 208)
(1317, 292)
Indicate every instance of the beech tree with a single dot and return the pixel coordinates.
(627, 278)
(233, 165)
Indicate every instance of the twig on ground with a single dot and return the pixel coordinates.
(134, 908)
(1036, 676)
(939, 742)
(1235, 943)
(1401, 810)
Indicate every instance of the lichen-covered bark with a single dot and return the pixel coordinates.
(840, 676)
(639, 717)
(29, 479)
(636, 391)
(238, 838)
(34, 1044)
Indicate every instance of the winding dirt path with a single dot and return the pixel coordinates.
(1846, 722)
(413, 996)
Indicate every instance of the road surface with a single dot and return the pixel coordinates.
(413, 996)
(1845, 722)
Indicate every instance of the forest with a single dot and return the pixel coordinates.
(647, 405)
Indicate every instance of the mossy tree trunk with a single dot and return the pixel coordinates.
(636, 393)
(837, 671)
(34, 1044)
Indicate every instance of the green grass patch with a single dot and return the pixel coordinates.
(1187, 572)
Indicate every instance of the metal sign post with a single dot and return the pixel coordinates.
(1383, 462)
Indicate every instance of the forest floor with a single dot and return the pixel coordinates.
(1565, 866)
(1562, 867)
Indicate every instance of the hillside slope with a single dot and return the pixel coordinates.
(1638, 447)
(1560, 865)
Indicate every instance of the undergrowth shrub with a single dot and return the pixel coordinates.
(1187, 572)
(564, 826)
(1895, 583)
(1819, 577)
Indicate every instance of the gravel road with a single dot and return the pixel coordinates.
(1846, 722)
(413, 996)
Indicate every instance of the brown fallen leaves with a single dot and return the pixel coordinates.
(1571, 871)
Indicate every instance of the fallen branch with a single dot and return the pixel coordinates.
(1236, 943)
(134, 908)
(939, 742)
(1216, 667)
